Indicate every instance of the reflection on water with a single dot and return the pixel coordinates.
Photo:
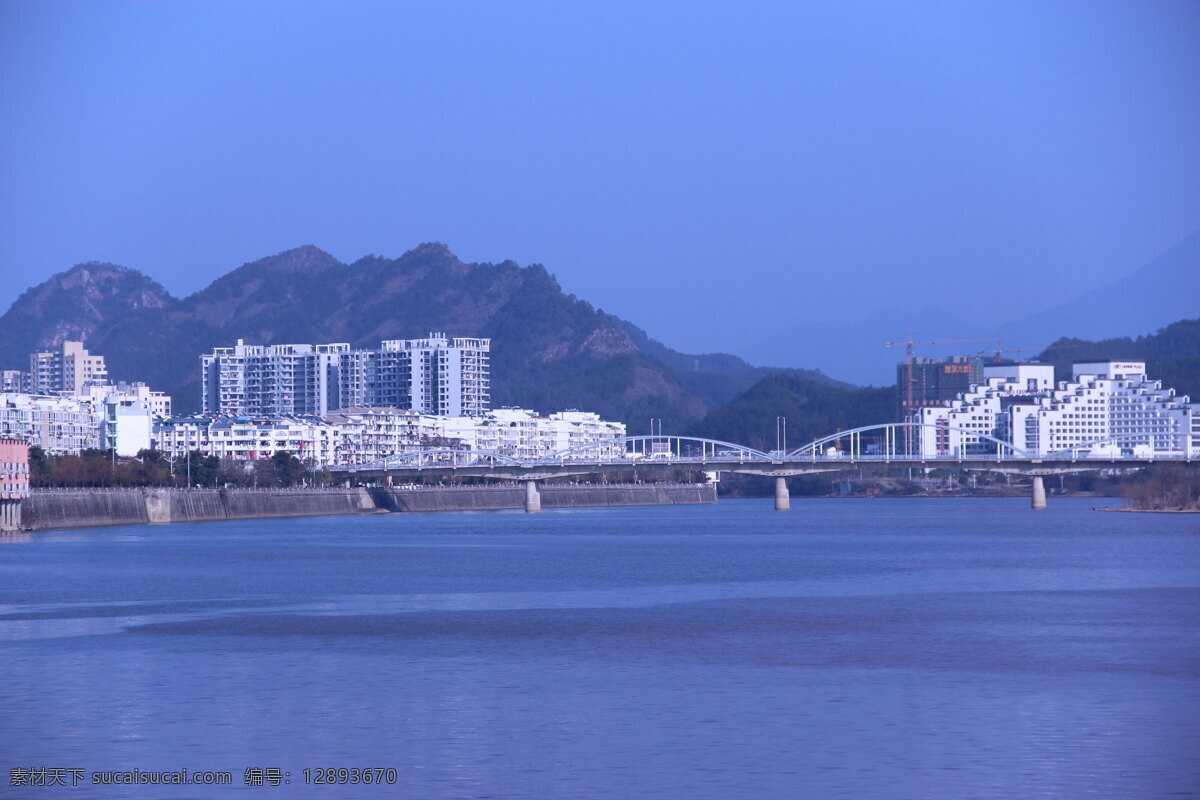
(847, 649)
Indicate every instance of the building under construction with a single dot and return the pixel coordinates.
(934, 381)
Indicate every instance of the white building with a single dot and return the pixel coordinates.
(157, 404)
(272, 380)
(312, 440)
(127, 427)
(1107, 408)
(368, 434)
(522, 433)
(436, 375)
(66, 370)
(963, 426)
(58, 425)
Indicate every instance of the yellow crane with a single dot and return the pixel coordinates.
(910, 355)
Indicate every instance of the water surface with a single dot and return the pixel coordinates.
(847, 649)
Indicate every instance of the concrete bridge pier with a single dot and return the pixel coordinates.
(10, 515)
(533, 499)
(783, 500)
(1039, 493)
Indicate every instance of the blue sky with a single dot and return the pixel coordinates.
(711, 171)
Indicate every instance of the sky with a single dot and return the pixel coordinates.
(712, 171)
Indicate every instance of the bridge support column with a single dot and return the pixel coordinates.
(533, 499)
(1039, 493)
(783, 500)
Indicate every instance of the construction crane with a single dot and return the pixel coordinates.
(997, 352)
(910, 355)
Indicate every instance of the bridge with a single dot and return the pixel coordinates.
(662, 456)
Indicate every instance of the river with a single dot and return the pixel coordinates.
(908, 648)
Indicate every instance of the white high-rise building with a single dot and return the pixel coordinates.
(1107, 408)
(435, 375)
(66, 370)
(271, 380)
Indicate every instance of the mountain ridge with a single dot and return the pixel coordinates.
(550, 350)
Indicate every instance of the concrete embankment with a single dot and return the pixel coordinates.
(553, 495)
(86, 508)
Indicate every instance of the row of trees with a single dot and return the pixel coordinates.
(153, 468)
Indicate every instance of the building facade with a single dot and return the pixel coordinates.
(66, 370)
(1107, 408)
(58, 425)
(935, 382)
(14, 481)
(14, 381)
(436, 375)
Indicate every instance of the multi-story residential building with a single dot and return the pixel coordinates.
(368, 434)
(270, 380)
(964, 425)
(447, 377)
(66, 370)
(58, 425)
(14, 381)
(127, 425)
(1107, 408)
(436, 375)
(14, 468)
(522, 433)
(361, 435)
(310, 439)
(14, 481)
(158, 404)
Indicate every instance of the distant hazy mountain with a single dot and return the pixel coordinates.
(854, 349)
(550, 350)
(1165, 290)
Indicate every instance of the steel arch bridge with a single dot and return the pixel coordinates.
(664, 456)
(870, 444)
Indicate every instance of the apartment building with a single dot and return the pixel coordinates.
(14, 381)
(58, 425)
(436, 375)
(312, 440)
(66, 370)
(271, 380)
(1107, 408)
(157, 404)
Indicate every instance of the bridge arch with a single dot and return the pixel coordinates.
(440, 457)
(1074, 450)
(710, 450)
(889, 429)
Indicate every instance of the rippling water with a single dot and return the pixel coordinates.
(851, 648)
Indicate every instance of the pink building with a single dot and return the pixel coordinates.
(14, 481)
(14, 469)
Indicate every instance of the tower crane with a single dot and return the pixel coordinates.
(910, 355)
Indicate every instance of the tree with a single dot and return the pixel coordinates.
(288, 469)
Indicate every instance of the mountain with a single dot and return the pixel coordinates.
(550, 350)
(1165, 290)
(717, 377)
(854, 348)
(812, 410)
(73, 305)
(1172, 355)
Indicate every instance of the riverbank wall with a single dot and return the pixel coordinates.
(88, 508)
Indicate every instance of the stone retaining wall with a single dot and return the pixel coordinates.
(86, 508)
